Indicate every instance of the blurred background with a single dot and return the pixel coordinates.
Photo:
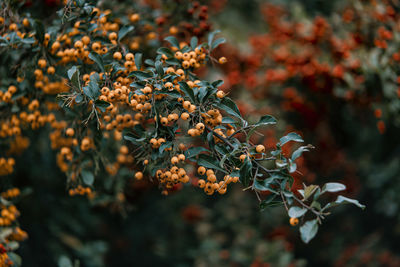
(323, 69)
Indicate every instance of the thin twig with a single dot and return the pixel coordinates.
(284, 201)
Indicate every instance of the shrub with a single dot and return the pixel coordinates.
(120, 105)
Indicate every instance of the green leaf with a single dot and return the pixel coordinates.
(209, 162)
(344, 200)
(217, 42)
(296, 212)
(164, 146)
(230, 107)
(172, 40)
(73, 75)
(245, 172)
(101, 104)
(149, 62)
(264, 185)
(87, 177)
(333, 187)
(159, 68)
(308, 230)
(194, 151)
(309, 190)
(211, 37)
(204, 93)
(93, 86)
(265, 120)
(28, 40)
(298, 152)
(187, 90)
(228, 120)
(87, 91)
(124, 31)
(292, 166)
(269, 202)
(217, 83)
(98, 59)
(136, 141)
(141, 75)
(15, 258)
(290, 137)
(172, 61)
(165, 51)
(39, 29)
(64, 261)
(138, 60)
(193, 42)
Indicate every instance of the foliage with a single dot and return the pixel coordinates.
(121, 102)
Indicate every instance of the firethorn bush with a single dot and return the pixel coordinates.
(122, 97)
(333, 75)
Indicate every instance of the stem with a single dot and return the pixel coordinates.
(232, 146)
(319, 215)
(284, 201)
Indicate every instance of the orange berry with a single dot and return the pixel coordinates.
(220, 94)
(200, 126)
(70, 132)
(260, 149)
(201, 170)
(139, 175)
(201, 183)
(174, 160)
(185, 116)
(117, 56)
(293, 221)
(222, 60)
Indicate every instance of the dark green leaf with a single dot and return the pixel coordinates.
(245, 172)
(137, 141)
(102, 105)
(39, 29)
(165, 51)
(124, 31)
(187, 90)
(217, 83)
(230, 107)
(194, 151)
(172, 40)
(159, 68)
(209, 162)
(265, 120)
(141, 75)
(164, 146)
(172, 61)
(73, 75)
(98, 59)
(290, 137)
(270, 201)
(138, 60)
